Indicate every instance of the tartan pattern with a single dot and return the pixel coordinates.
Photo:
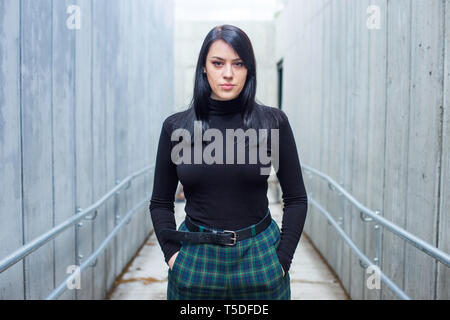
(249, 270)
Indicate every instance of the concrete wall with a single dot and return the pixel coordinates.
(79, 109)
(371, 108)
(189, 37)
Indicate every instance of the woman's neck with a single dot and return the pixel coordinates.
(225, 107)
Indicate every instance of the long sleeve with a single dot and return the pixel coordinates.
(162, 207)
(294, 194)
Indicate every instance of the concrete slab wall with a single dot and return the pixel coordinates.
(80, 108)
(370, 107)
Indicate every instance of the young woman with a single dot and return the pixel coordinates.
(228, 247)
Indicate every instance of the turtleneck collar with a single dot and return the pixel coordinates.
(224, 107)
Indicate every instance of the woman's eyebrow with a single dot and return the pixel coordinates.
(224, 59)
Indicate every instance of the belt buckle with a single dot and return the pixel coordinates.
(233, 238)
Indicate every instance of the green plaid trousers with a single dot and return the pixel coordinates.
(249, 270)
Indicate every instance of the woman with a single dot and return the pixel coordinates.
(228, 247)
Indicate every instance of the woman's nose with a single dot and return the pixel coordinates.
(228, 71)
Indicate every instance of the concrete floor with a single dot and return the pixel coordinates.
(146, 276)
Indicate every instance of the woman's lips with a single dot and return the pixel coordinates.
(227, 86)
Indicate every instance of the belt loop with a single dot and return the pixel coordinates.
(253, 230)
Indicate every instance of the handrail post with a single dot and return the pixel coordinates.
(78, 255)
(117, 215)
(378, 235)
(378, 242)
(341, 218)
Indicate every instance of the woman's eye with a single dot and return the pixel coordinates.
(218, 63)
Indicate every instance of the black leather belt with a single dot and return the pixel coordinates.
(199, 234)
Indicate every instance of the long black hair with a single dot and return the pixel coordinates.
(253, 117)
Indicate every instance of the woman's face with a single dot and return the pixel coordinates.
(223, 66)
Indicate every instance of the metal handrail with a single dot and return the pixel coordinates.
(417, 242)
(361, 255)
(38, 242)
(63, 285)
(414, 240)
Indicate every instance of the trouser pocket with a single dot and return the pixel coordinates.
(266, 271)
(198, 272)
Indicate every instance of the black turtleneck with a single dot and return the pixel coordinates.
(224, 107)
(228, 196)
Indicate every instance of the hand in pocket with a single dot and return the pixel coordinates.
(172, 259)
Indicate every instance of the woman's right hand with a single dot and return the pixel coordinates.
(172, 260)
